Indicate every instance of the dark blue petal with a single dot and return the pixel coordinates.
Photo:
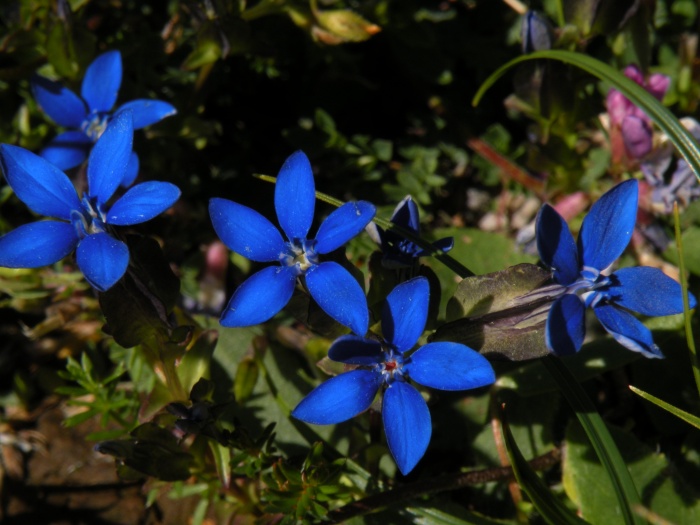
(132, 171)
(339, 295)
(355, 350)
(146, 112)
(405, 312)
(37, 244)
(407, 425)
(143, 202)
(295, 196)
(406, 215)
(63, 106)
(102, 259)
(556, 245)
(627, 330)
(343, 224)
(607, 229)
(109, 158)
(67, 150)
(647, 291)
(566, 325)
(340, 398)
(245, 231)
(445, 244)
(102, 80)
(449, 366)
(260, 297)
(39, 184)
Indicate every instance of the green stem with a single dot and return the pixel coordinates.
(441, 256)
(263, 8)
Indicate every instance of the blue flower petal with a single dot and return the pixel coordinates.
(340, 398)
(566, 325)
(607, 229)
(146, 111)
(339, 295)
(132, 171)
(647, 291)
(556, 245)
(102, 80)
(295, 196)
(449, 366)
(245, 231)
(143, 202)
(405, 312)
(627, 330)
(63, 106)
(67, 150)
(102, 259)
(406, 214)
(39, 184)
(343, 224)
(407, 424)
(37, 244)
(445, 244)
(355, 350)
(260, 297)
(109, 158)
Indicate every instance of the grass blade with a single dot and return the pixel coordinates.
(681, 414)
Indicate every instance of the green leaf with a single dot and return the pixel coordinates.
(682, 414)
(245, 380)
(661, 116)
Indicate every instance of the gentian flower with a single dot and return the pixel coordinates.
(87, 116)
(398, 251)
(383, 364)
(247, 232)
(578, 270)
(82, 224)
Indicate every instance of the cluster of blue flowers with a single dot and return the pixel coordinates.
(385, 363)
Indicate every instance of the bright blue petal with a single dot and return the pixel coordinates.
(340, 398)
(407, 424)
(566, 325)
(109, 158)
(405, 312)
(260, 297)
(67, 150)
(102, 259)
(37, 244)
(295, 196)
(339, 295)
(355, 350)
(63, 106)
(146, 112)
(102, 80)
(39, 184)
(627, 330)
(406, 214)
(607, 229)
(143, 202)
(556, 245)
(647, 291)
(245, 231)
(132, 171)
(449, 366)
(343, 224)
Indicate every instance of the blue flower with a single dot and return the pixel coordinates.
(83, 223)
(87, 116)
(247, 232)
(398, 251)
(384, 365)
(577, 268)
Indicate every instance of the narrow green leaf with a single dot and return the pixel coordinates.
(682, 414)
(661, 116)
(599, 435)
(549, 507)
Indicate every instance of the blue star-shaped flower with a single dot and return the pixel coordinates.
(444, 365)
(398, 251)
(605, 233)
(83, 223)
(88, 115)
(247, 232)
